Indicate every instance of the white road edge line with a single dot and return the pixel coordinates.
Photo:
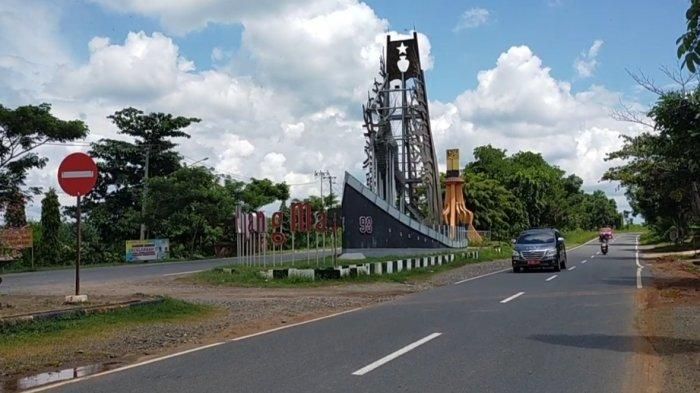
(571, 268)
(639, 266)
(386, 359)
(177, 274)
(551, 278)
(506, 300)
(581, 245)
(158, 359)
(483, 275)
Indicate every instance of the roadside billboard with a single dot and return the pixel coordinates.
(147, 250)
(16, 238)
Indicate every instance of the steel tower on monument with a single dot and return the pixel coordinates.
(401, 163)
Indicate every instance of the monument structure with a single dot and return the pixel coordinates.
(400, 203)
(455, 211)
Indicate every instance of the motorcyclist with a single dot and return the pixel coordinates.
(604, 234)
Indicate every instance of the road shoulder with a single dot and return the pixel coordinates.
(667, 347)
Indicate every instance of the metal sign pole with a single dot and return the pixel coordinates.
(77, 261)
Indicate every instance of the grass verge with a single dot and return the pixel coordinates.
(686, 246)
(578, 236)
(249, 276)
(39, 340)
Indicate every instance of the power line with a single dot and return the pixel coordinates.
(81, 144)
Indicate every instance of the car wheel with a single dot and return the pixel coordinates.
(563, 264)
(516, 269)
(557, 268)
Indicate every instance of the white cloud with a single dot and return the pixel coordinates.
(297, 110)
(235, 149)
(472, 18)
(181, 17)
(293, 131)
(30, 50)
(142, 68)
(587, 62)
(518, 105)
(249, 128)
(326, 55)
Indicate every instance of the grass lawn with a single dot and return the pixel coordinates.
(39, 339)
(249, 276)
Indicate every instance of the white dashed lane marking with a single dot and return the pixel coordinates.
(506, 300)
(392, 356)
(551, 278)
(572, 268)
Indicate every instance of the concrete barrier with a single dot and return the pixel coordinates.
(370, 268)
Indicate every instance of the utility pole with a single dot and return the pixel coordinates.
(143, 196)
(323, 175)
(331, 180)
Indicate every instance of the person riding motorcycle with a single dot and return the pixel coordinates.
(604, 234)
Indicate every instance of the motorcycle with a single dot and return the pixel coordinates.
(604, 247)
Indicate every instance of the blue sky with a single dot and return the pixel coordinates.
(283, 96)
(638, 35)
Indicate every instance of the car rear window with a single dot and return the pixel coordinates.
(536, 238)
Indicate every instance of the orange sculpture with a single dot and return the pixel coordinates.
(455, 211)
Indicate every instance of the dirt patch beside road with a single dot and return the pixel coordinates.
(241, 311)
(667, 357)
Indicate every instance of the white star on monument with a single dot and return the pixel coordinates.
(402, 48)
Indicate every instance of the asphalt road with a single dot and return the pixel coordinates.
(27, 282)
(506, 332)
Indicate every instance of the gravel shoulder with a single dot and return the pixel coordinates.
(240, 311)
(667, 351)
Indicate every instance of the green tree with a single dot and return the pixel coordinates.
(22, 130)
(194, 207)
(190, 208)
(526, 184)
(689, 42)
(261, 192)
(50, 246)
(15, 216)
(114, 206)
(662, 168)
(494, 207)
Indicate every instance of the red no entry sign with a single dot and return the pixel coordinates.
(77, 174)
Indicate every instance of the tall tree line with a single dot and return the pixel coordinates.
(191, 205)
(662, 165)
(510, 193)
